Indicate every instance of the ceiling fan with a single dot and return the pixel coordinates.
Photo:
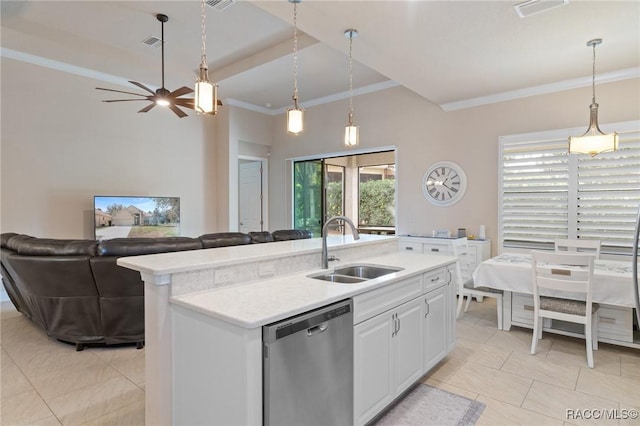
(161, 96)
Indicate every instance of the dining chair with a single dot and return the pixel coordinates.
(556, 277)
(578, 246)
(465, 280)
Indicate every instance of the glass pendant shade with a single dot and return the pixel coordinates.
(351, 135)
(295, 120)
(206, 94)
(594, 140)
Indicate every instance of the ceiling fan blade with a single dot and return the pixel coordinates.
(148, 107)
(124, 100)
(142, 86)
(178, 111)
(120, 91)
(181, 91)
(185, 102)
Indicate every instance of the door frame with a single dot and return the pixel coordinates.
(369, 150)
(264, 162)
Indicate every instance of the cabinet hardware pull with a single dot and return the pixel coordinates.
(528, 308)
(428, 308)
(607, 320)
(408, 248)
(435, 249)
(398, 324)
(436, 279)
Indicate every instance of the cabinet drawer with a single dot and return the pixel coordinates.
(414, 247)
(435, 279)
(616, 323)
(522, 308)
(377, 301)
(438, 247)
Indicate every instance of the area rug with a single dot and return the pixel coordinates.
(426, 405)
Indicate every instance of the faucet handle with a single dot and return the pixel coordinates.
(332, 258)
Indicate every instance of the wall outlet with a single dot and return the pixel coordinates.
(223, 276)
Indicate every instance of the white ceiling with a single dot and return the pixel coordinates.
(454, 53)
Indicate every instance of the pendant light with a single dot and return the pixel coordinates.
(351, 132)
(295, 115)
(206, 92)
(594, 140)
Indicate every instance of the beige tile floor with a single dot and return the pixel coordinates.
(45, 382)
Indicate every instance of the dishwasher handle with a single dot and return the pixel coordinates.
(317, 329)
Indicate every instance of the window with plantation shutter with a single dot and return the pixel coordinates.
(545, 193)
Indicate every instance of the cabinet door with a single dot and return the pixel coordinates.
(435, 314)
(373, 388)
(451, 303)
(407, 345)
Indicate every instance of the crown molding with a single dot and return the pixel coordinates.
(574, 83)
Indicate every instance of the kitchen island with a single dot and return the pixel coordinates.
(204, 311)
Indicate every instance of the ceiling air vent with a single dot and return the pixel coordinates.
(220, 5)
(533, 7)
(152, 41)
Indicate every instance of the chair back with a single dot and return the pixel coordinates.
(578, 246)
(463, 266)
(563, 275)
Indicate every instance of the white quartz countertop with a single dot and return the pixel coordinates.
(191, 260)
(258, 303)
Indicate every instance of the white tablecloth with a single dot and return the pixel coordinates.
(612, 280)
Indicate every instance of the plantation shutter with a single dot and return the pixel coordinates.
(545, 193)
(534, 192)
(608, 195)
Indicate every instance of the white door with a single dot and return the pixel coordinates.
(250, 196)
(373, 388)
(435, 329)
(407, 345)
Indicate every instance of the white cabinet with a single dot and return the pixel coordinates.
(479, 250)
(387, 356)
(435, 312)
(401, 331)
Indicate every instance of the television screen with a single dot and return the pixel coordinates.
(136, 217)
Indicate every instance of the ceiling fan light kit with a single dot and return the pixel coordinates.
(594, 140)
(295, 115)
(162, 96)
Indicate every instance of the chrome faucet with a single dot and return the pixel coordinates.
(354, 232)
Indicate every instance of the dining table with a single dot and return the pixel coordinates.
(512, 273)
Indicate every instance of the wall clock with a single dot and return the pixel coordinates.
(444, 183)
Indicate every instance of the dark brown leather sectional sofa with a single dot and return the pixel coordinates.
(75, 291)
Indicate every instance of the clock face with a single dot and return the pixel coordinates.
(444, 183)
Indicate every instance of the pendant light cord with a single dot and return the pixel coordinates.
(593, 79)
(295, 55)
(350, 78)
(203, 27)
(162, 45)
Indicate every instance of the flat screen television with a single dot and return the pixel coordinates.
(136, 217)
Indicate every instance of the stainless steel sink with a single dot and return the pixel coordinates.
(354, 274)
(366, 271)
(337, 278)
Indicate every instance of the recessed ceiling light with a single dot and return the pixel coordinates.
(533, 7)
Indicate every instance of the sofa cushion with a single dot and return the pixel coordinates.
(291, 234)
(261, 237)
(30, 246)
(5, 237)
(138, 246)
(224, 239)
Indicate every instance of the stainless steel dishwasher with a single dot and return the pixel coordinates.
(308, 368)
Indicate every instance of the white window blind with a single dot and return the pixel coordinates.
(545, 193)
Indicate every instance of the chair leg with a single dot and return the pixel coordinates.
(594, 330)
(466, 307)
(534, 338)
(589, 343)
(460, 302)
(499, 307)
